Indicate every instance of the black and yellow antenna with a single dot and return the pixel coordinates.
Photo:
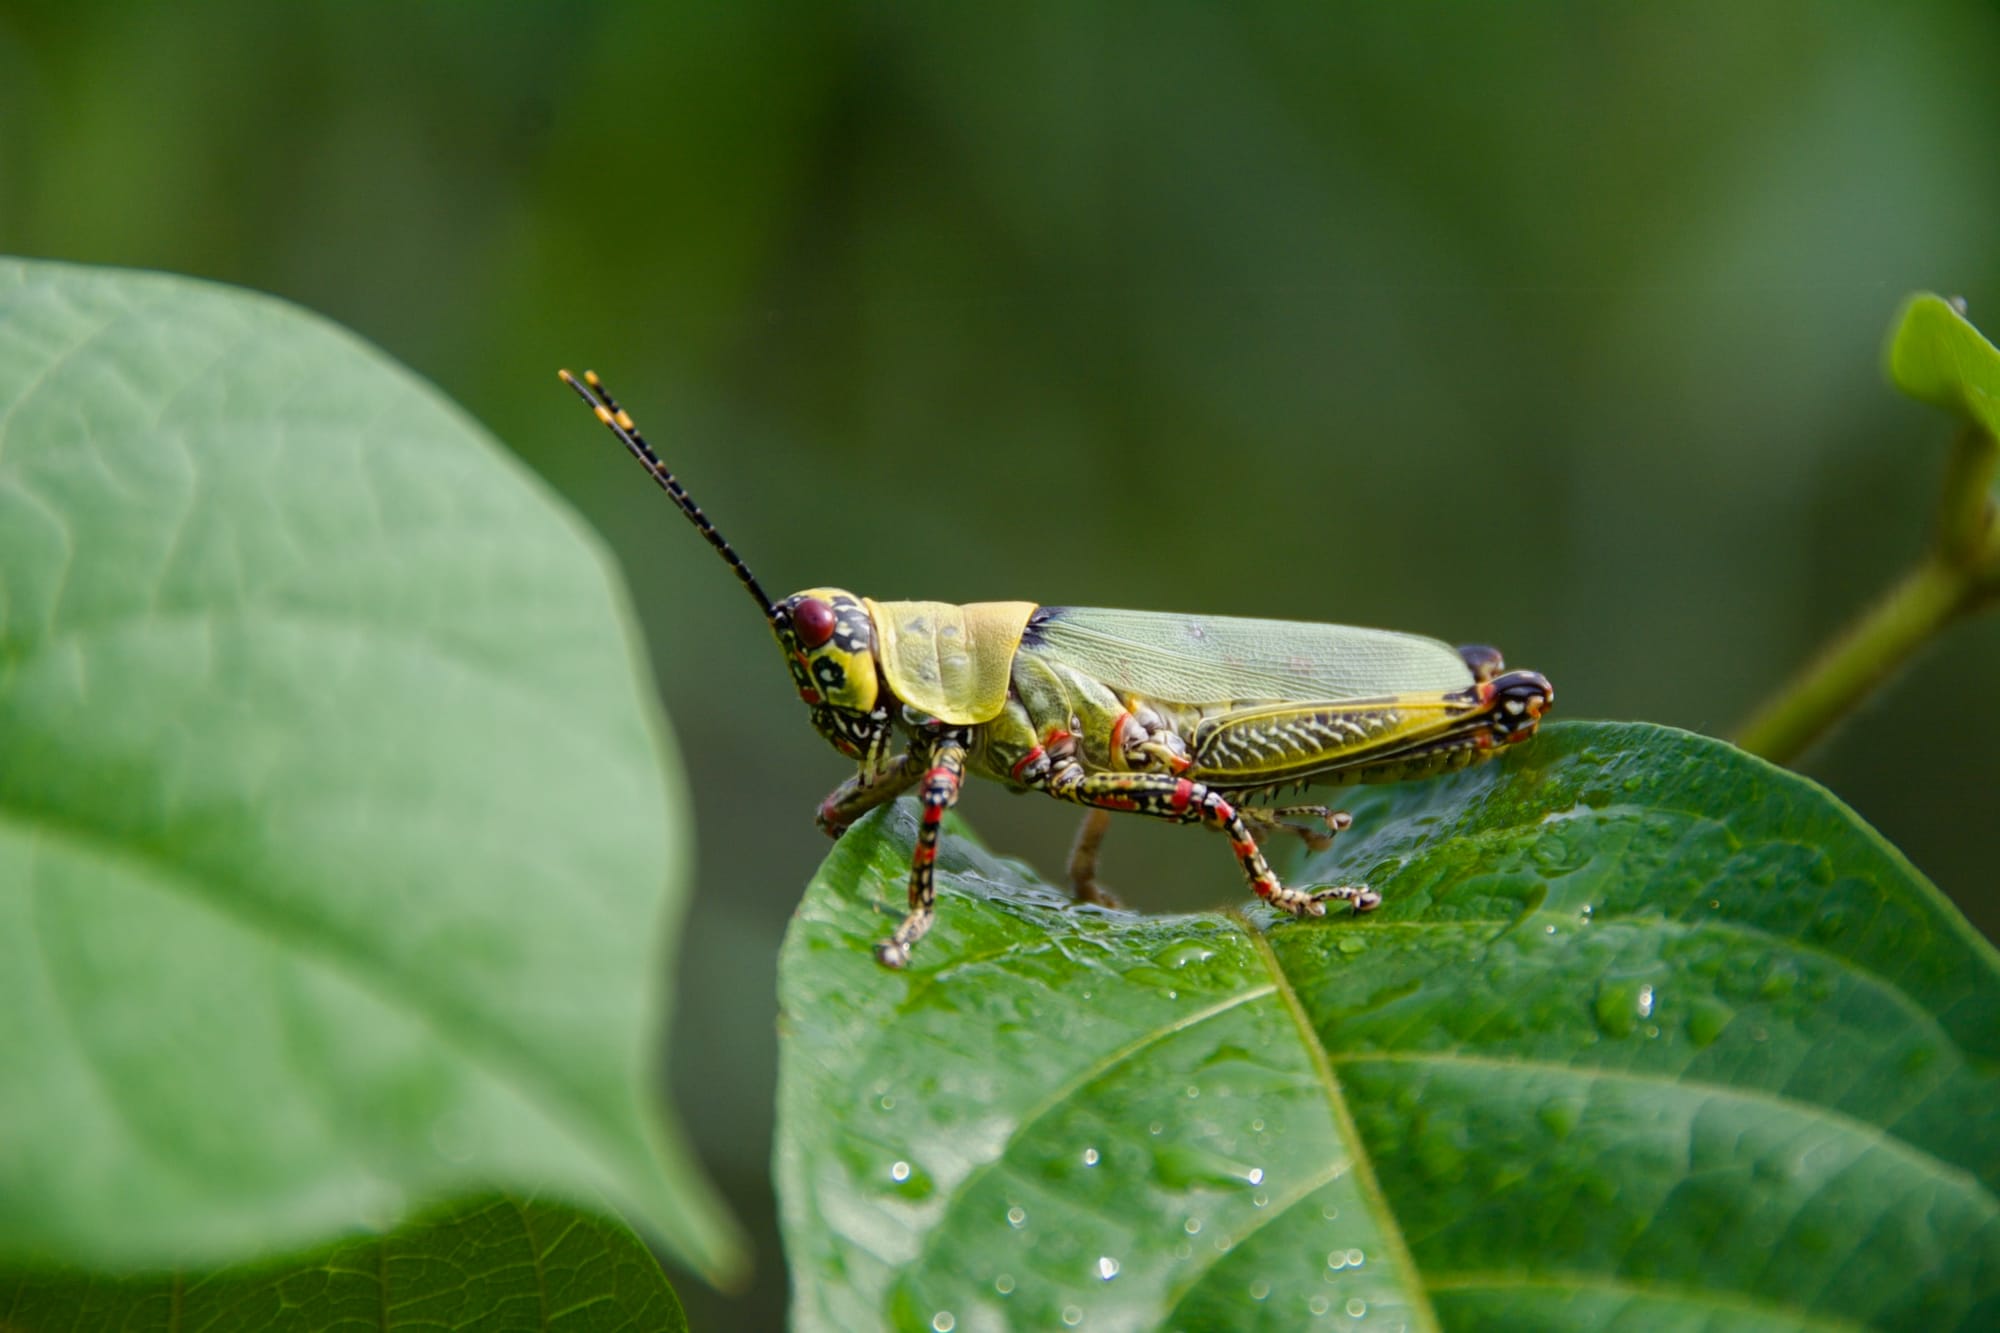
(619, 421)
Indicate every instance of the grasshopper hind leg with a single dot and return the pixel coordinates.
(1181, 801)
(1273, 820)
(1083, 883)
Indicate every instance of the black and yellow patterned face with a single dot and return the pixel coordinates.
(829, 645)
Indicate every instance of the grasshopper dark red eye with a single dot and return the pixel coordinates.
(812, 622)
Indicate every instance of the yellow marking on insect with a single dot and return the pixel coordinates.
(603, 413)
(625, 419)
(590, 378)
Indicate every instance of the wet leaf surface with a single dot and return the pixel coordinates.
(1647, 1033)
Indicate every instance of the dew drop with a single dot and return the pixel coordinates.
(1192, 1226)
(1107, 1267)
(900, 1172)
(1004, 1284)
(1259, 1289)
(1260, 1198)
(1193, 1091)
(1357, 1307)
(1090, 1157)
(1336, 1259)
(1355, 1258)
(1329, 1212)
(1222, 1242)
(1017, 1217)
(944, 1321)
(1184, 953)
(887, 1103)
(1155, 1127)
(1318, 1305)
(1645, 1001)
(1173, 995)
(1255, 1175)
(1548, 930)
(1072, 1315)
(1256, 1126)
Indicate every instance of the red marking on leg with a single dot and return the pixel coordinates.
(1117, 803)
(1029, 758)
(1223, 810)
(1483, 741)
(926, 853)
(1183, 793)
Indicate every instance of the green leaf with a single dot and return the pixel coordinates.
(495, 1266)
(1937, 356)
(338, 836)
(1647, 1032)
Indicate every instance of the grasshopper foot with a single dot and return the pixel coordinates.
(893, 953)
(1303, 903)
(1362, 898)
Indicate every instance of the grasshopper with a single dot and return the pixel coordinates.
(1180, 717)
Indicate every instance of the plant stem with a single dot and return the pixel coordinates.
(1866, 654)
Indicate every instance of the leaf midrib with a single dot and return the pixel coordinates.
(1421, 1311)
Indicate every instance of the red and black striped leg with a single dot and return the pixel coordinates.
(939, 790)
(862, 793)
(1183, 801)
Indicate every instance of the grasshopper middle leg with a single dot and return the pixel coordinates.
(863, 792)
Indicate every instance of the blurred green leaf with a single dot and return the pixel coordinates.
(338, 837)
(1936, 355)
(1647, 1033)
(495, 1265)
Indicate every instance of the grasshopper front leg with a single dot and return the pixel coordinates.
(1183, 801)
(863, 792)
(939, 791)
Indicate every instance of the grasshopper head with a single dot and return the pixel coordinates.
(828, 639)
(1518, 700)
(829, 645)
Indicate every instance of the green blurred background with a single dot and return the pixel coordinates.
(1555, 327)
